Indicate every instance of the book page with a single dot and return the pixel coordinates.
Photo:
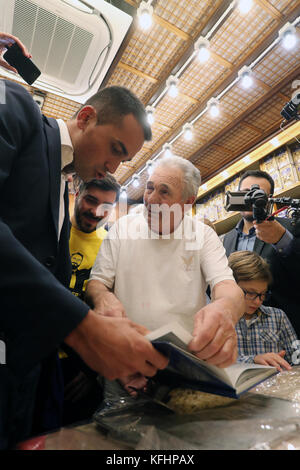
(172, 332)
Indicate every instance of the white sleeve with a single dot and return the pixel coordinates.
(214, 262)
(105, 265)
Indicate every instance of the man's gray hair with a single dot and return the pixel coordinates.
(191, 174)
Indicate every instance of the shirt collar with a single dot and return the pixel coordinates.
(66, 144)
(260, 312)
(239, 229)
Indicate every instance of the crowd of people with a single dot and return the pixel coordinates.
(77, 300)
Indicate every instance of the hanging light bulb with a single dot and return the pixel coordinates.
(245, 6)
(135, 181)
(150, 114)
(167, 150)
(288, 36)
(144, 13)
(245, 75)
(213, 106)
(172, 86)
(149, 166)
(202, 48)
(123, 193)
(188, 131)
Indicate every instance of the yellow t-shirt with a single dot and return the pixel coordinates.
(83, 251)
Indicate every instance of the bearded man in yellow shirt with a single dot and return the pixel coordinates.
(93, 204)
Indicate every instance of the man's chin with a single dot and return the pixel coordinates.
(248, 216)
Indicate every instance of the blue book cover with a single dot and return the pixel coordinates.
(190, 372)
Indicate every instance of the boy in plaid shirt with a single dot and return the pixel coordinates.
(265, 334)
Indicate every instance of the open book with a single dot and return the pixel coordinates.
(172, 340)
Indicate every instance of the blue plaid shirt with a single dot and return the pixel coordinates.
(269, 330)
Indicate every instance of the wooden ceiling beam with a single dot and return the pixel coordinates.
(223, 149)
(135, 71)
(269, 8)
(250, 126)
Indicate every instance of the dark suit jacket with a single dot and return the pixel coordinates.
(285, 271)
(37, 311)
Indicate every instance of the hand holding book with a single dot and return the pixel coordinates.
(214, 337)
(189, 371)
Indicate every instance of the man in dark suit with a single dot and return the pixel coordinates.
(37, 312)
(276, 241)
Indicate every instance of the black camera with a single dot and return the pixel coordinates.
(290, 109)
(257, 201)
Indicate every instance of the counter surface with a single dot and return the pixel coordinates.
(268, 417)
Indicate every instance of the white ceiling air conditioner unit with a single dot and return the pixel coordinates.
(72, 42)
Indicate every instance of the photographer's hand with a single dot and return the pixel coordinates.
(269, 231)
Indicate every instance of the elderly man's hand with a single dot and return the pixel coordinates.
(110, 306)
(214, 334)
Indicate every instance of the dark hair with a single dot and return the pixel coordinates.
(115, 102)
(258, 174)
(108, 183)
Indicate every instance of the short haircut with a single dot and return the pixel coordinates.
(108, 183)
(258, 174)
(249, 266)
(115, 102)
(191, 174)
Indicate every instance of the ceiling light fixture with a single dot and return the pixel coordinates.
(188, 131)
(288, 36)
(245, 74)
(213, 106)
(245, 6)
(172, 86)
(167, 148)
(123, 193)
(149, 167)
(144, 14)
(135, 181)
(150, 114)
(202, 48)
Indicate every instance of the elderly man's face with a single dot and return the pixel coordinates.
(163, 199)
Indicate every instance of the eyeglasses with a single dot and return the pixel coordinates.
(253, 295)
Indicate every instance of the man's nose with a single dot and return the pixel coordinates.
(112, 165)
(154, 198)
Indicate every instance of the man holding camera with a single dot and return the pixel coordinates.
(277, 241)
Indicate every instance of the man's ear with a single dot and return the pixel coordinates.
(85, 115)
(188, 203)
(190, 200)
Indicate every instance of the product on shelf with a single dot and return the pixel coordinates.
(283, 157)
(278, 186)
(294, 149)
(288, 175)
(232, 185)
(269, 164)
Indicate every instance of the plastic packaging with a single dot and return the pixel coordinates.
(268, 417)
